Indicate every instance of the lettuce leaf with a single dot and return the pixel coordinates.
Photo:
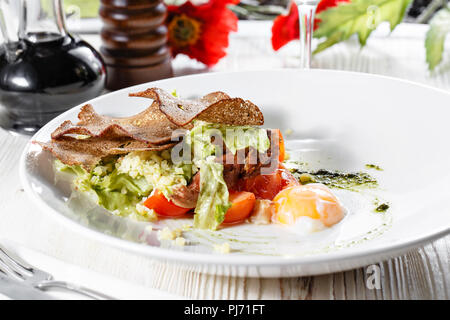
(213, 201)
(114, 191)
(435, 38)
(235, 138)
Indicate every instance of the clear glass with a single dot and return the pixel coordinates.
(32, 20)
(42, 17)
(306, 12)
(9, 20)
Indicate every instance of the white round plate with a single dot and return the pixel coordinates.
(339, 120)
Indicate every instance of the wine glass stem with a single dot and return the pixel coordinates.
(306, 15)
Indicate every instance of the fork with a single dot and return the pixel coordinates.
(22, 271)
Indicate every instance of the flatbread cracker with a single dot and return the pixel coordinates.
(216, 107)
(151, 129)
(88, 152)
(150, 126)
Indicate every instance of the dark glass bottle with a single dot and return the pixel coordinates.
(44, 73)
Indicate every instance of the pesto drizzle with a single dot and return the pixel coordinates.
(382, 207)
(336, 179)
(374, 166)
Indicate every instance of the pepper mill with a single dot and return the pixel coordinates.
(134, 42)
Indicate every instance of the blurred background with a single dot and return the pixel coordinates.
(421, 11)
(108, 47)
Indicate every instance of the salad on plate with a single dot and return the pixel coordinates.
(208, 159)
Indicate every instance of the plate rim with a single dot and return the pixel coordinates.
(377, 253)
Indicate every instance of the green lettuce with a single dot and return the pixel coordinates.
(435, 38)
(116, 192)
(235, 138)
(213, 198)
(213, 203)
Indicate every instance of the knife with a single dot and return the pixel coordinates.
(20, 291)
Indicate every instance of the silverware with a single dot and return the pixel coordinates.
(20, 291)
(19, 270)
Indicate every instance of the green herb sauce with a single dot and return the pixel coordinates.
(336, 179)
(382, 207)
(374, 166)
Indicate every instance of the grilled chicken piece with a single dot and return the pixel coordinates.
(186, 196)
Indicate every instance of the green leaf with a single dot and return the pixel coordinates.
(212, 203)
(434, 41)
(360, 17)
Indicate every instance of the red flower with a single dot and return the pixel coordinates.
(286, 28)
(201, 31)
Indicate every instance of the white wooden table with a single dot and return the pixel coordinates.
(420, 274)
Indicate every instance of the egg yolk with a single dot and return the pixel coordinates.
(313, 200)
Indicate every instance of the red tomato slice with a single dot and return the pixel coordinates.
(267, 186)
(163, 207)
(242, 204)
(263, 186)
(287, 178)
(281, 149)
